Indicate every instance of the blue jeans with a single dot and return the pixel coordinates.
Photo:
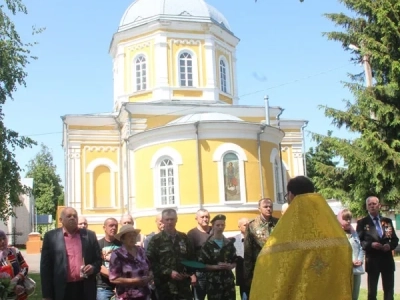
(356, 286)
(104, 294)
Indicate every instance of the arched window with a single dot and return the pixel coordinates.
(222, 72)
(166, 180)
(186, 69)
(140, 73)
(224, 75)
(231, 180)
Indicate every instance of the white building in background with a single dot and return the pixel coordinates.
(23, 222)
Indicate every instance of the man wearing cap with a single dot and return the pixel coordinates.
(198, 236)
(166, 250)
(257, 233)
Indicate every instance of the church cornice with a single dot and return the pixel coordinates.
(139, 46)
(100, 148)
(206, 130)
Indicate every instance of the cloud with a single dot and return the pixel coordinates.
(259, 77)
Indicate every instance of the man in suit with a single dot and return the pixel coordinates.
(70, 260)
(239, 246)
(378, 241)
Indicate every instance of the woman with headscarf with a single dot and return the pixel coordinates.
(13, 263)
(344, 217)
(219, 255)
(129, 267)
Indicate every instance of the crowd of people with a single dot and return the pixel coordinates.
(302, 255)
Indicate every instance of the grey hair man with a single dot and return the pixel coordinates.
(239, 270)
(197, 237)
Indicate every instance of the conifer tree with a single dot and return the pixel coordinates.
(372, 159)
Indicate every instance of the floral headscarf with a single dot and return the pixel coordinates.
(343, 222)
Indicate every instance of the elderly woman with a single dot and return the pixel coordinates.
(344, 217)
(129, 267)
(13, 263)
(219, 255)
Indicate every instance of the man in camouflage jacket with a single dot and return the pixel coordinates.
(257, 233)
(165, 251)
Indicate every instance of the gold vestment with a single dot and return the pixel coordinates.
(307, 256)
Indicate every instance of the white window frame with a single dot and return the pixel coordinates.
(279, 187)
(194, 68)
(176, 159)
(218, 157)
(227, 75)
(113, 170)
(146, 81)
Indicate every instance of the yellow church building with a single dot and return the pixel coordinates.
(177, 136)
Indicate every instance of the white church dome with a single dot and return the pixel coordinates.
(144, 11)
(192, 118)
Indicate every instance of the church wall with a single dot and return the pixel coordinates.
(131, 53)
(100, 179)
(187, 221)
(211, 179)
(141, 96)
(226, 99)
(157, 120)
(187, 173)
(194, 46)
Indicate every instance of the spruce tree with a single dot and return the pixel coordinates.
(371, 160)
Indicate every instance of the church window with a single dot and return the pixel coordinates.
(140, 73)
(165, 164)
(224, 77)
(222, 71)
(186, 69)
(167, 185)
(230, 160)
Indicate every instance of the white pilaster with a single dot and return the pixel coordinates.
(119, 79)
(161, 88)
(131, 169)
(209, 46)
(298, 161)
(75, 157)
(234, 80)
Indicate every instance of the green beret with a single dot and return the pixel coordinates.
(218, 218)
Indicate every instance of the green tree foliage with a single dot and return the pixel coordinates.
(47, 189)
(372, 158)
(14, 57)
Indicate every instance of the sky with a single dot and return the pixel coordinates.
(282, 53)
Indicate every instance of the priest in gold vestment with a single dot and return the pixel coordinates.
(307, 256)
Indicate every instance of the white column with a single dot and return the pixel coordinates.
(132, 181)
(298, 161)
(209, 46)
(75, 156)
(119, 75)
(234, 80)
(161, 88)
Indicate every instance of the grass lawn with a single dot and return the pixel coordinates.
(38, 295)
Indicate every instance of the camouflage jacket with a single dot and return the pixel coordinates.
(165, 254)
(257, 233)
(212, 254)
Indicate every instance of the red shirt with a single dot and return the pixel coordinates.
(73, 247)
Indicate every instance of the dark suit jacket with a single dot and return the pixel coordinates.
(376, 260)
(54, 263)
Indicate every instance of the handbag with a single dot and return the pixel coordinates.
(30, 285)
(359, 270)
